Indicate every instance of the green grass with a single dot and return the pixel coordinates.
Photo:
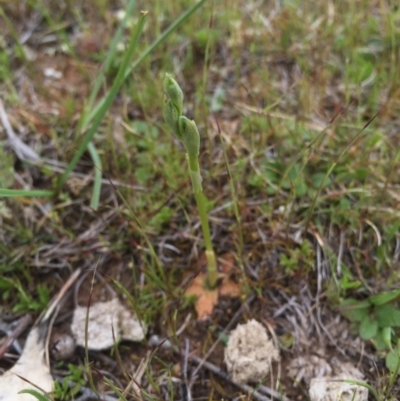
(297, 107)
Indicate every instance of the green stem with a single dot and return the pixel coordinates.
(212, 272)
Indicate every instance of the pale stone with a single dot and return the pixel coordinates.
(249, 353)
(334, 388)
(108, 323)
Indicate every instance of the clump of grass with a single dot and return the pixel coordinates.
(186, 131)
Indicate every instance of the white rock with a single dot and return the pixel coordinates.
(334, 388)
(108, 322)
(249, 353)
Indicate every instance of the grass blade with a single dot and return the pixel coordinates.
(187, 14)
(105, 105)
(25, 193)
(109, 58)
(94, 203)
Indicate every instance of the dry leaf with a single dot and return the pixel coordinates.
(206, 298)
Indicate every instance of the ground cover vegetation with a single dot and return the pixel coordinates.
(297, 105)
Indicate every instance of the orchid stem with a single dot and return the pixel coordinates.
(186, 131)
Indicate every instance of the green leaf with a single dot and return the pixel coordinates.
(149, 133)
(143, 175)
(393, 360)
(224, 338)
(384, 297)
(362, 384)
(318, 179)
(387, 315)
(380, 340)
(386, 334)
(36, 394)
(300, 188)
(161, 218)
(354, 310)
(295, 181)
(368, 328)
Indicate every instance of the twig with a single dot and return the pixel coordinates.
(137, 378)
(56, 300)
(23, 151)
(187, 383)
(254, 393)
(22, 325)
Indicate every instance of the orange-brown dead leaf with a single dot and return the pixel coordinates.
(207, 298)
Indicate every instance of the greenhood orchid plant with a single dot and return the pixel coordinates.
(186, 131)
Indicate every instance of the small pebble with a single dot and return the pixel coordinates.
(62, 346)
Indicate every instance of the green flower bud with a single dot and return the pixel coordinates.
(171, 117)
(191, 139)
(173, 92)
